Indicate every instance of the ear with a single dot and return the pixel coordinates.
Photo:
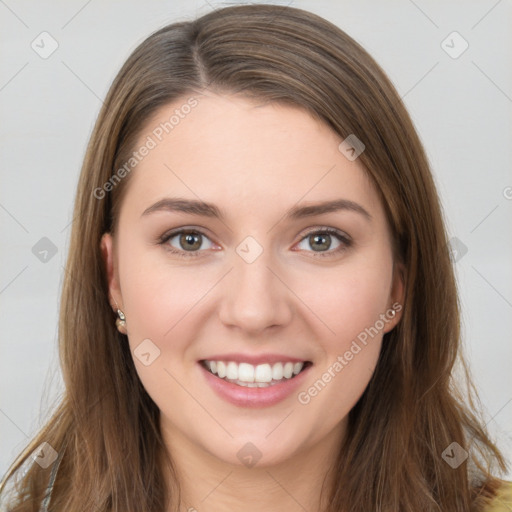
(397, 296)
(110, 264)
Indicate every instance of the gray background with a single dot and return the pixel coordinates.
(461, 107)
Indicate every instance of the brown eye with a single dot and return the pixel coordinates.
(321, 241)
(190, 241)
(185, 241)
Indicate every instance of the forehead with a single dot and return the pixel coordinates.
(232, 150)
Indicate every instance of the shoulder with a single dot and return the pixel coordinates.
(503, 500)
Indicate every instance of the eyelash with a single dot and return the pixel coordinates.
(321, 231)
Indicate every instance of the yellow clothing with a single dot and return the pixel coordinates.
(503, 501)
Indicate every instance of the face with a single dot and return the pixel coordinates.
(254, 317)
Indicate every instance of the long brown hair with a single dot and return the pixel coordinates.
(106, 428)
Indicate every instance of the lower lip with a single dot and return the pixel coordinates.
(243, 396)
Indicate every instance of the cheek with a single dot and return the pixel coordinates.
(159, 298)
(350, 299)
(351, 304)
(161, 303)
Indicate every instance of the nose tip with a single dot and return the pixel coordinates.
(254, 298)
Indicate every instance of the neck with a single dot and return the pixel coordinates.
(208, 484)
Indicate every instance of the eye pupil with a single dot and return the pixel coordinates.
(318, 238)
(187, 240)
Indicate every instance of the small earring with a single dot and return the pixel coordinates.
(392, 313)
(120, 320)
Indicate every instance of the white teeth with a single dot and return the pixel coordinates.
(245, 372)
(232, 370)
(221, 369)
(277, 371)
(261, 375)
(297, 367)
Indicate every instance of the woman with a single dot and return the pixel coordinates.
(259, 307)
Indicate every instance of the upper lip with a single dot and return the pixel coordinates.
(254, 359)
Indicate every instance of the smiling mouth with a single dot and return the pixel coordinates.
(255, 376)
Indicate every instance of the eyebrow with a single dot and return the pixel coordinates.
(205, 209)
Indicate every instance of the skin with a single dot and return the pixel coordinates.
(254, 161)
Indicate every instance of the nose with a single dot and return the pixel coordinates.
(255, 296)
